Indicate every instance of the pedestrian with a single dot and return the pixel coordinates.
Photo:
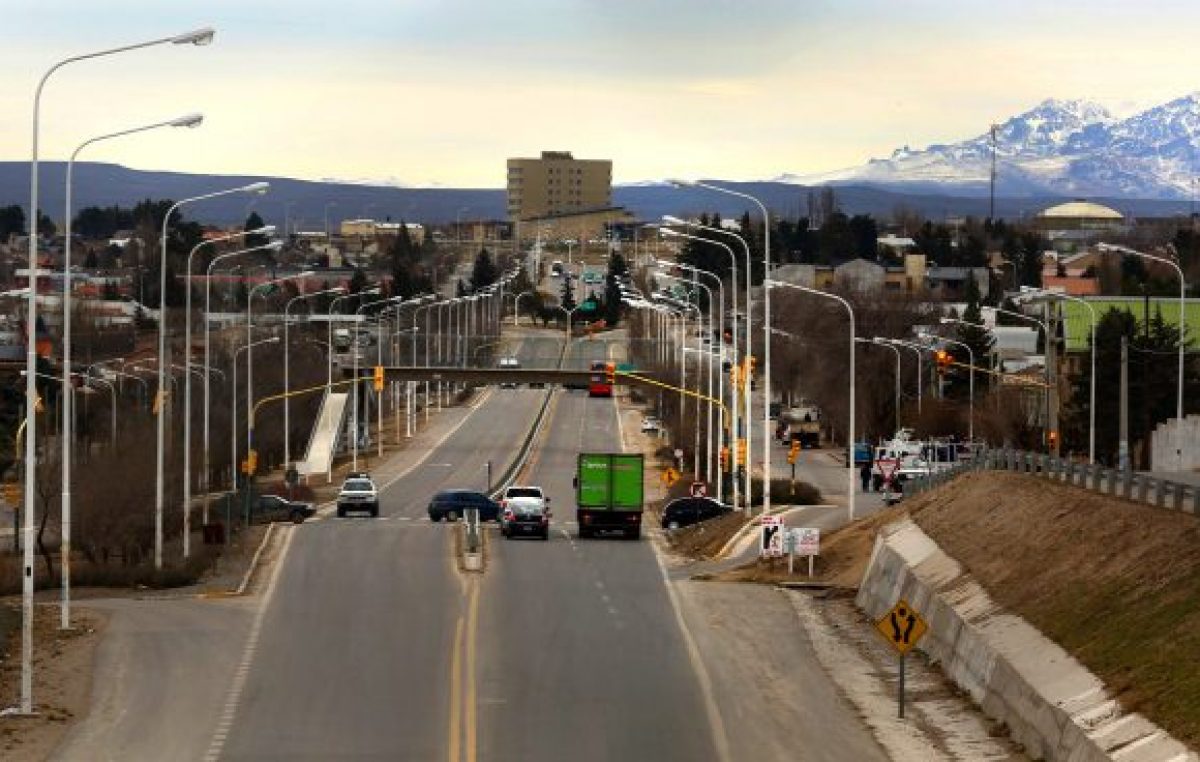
(865, 474)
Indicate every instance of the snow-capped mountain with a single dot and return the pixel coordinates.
(1071, 147)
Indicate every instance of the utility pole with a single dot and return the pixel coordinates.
(1123, 445)
(992, 186)
(1052, 376)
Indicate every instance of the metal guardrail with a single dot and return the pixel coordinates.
(1131, 485)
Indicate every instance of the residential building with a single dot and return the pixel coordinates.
(557, 184)
(915, 276)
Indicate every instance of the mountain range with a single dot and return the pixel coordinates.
(1072, 148)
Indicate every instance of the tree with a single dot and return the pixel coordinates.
(613, 306)
(566, 297)
(972, 333)
(358, 281)
(484, 273)
(46, 226)
(12, 221)
(254, 222)
(1153, 344)
(864, 236)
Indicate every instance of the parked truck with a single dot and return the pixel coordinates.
(609, 493)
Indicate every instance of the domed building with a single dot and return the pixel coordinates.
(1078, 221)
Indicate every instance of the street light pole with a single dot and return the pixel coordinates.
(233, 462)
(877, 342)
(272, 246)
(190, 120)
(768, 284)
(970, 377)
(197, 37)
(1092, 343)
(187, 385)
(250, 343)
(287, 380)
(766, 434)
(1182, 331)
(915, 348)
(161, 432)
(746, 415)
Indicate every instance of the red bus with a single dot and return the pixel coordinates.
(598, 385)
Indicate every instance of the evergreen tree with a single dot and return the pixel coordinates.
(978, 338)
(566, 296)
(864, 236)
(613, 307)
(1153, 347)
(254, 222)
(484, 273)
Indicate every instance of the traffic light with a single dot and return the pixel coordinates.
(741, 452)
(378, 378)
(734, 376)
(724, 458)
(794, 451)
(750, 365)
(160, 399)
(250, 464)
(1052, 438)
(943, 360)
(610, 373)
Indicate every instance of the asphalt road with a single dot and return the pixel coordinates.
(367, 642)
(581, 655)
(355, 652)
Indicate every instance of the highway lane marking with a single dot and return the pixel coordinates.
(463, 727)
(472, 629)
(455, 744)
(241, 674)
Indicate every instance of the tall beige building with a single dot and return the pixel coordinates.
(557, 184)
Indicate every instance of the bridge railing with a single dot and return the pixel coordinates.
(1131, 485)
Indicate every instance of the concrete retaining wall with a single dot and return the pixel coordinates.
(1174, 439)
(1052, 705)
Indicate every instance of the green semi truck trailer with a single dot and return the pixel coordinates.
(609, 493)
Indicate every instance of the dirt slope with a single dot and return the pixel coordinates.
(1115, 582)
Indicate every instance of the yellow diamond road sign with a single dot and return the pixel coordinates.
(903, 627)
(670, 476)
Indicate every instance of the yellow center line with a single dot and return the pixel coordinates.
(455, 746)
(472, 725)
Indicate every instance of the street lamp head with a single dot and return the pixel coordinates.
(264, 230)
(670, 220)
(187, 120)
(260, 187)
(202, 36)
(947, 320)
(682, 183)
(274, 245)
(305, 274)
(881, 340)
(768, 283)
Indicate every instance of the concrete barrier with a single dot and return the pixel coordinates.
(1051, 704)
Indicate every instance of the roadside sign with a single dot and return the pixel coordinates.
(678, 452)
(805, 541)
(670, 476)
(903, 627)
(770, 543)
(699, 489)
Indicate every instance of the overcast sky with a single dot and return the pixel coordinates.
(440, 92)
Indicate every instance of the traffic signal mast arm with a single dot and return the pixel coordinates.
(1001, 374)
(680, 390)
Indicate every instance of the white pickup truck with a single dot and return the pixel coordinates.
(524, 510)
